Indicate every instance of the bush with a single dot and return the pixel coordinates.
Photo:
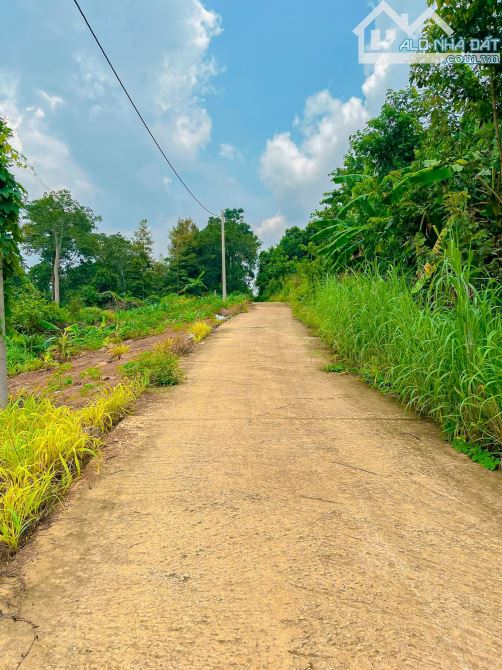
(200, 330)
(42, 449)
(155, 368)
(31, 313)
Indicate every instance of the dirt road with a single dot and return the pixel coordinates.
(265, 515)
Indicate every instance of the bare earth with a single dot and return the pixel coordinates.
(265, 515)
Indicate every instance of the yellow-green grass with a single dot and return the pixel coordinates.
(42, 449)
(199, 330)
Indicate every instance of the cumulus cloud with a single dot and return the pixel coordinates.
(295, 165)
(49, 156)
(297, 172)
(271, 230)
(186, 74)
(176, 71)
(230, 152)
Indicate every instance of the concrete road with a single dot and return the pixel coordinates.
(265, 515)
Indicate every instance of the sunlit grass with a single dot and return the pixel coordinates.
(440, 354)
(42, 449)
(199, 330)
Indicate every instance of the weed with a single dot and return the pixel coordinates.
(199, 330)
(181, 345)
(92, 373)
(479, 455)
(59, 378)
(119, 350)
(334, 367)
(442, 358)
(110, 407)
(154, 368)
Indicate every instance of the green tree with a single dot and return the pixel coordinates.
(183, 267)
(452, 88)
(11, 200)
(241, 252)
(59, 229)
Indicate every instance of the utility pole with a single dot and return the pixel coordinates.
(223, 258)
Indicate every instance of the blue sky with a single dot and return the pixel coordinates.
(254, 102)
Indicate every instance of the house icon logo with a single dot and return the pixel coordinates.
(400, 41)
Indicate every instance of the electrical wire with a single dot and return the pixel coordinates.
(139, 113)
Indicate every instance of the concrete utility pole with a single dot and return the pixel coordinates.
(223, 258)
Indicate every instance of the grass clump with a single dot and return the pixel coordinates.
(111, 406)
(92, 373)
(42, 449)
(199, 330)
(154, 368)
(119, 350)
(441, 356)
(181, 345)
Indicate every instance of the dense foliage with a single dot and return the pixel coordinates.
(76, 262)
(399, 269)
(11, 198)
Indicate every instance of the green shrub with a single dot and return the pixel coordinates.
(32, 313)
(156, 368)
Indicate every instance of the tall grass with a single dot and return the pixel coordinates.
(440, 354)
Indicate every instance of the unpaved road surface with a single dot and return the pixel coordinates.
(265, 515)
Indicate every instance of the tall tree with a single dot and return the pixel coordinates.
(11, 200)
(142, 262)
(181, 255)
(241, 252)
(59, 229)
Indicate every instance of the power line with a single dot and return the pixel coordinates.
(139, 113)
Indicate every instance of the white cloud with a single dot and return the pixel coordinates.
(230, 152)
(176, 72)
(52, 100)
(297, 173)
(297, 170)
(49, 156)
(185, 75)
(271, 230)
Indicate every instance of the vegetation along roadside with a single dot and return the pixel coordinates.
(399, 268)
(48, 432)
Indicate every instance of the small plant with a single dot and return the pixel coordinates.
(199, 330)
(60, 379)
(154, 368)
(181, 345)
(334, 367)
(164, 347)
(119, 350)
(88, 388)
(110, 407)
(92, 373)
(63, 346)
(477, 454)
